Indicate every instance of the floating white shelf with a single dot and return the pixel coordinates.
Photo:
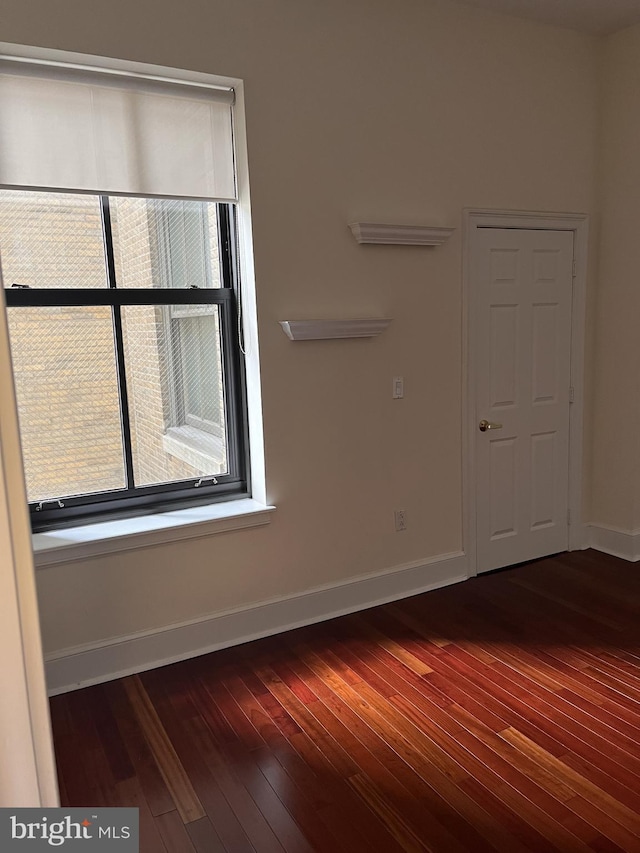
(400, 235)
(315, 330)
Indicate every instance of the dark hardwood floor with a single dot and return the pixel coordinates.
(498, 714)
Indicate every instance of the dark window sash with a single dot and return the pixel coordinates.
(132, 500)
(59, 296)
(132, 503)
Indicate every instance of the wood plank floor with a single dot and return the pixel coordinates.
(498, 714)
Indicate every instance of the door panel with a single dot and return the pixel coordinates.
(523, 293)
(504, 337)
(543, 509)
(503, 464)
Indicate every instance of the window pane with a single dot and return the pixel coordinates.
(165, 243)
(67, 389)
(175, 388)
(51, 240)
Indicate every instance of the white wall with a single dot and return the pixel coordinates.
(361, 110)
(616, 434)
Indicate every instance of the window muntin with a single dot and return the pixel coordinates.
(176, 392)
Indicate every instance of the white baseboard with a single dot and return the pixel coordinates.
(80, 666)
(618, 543)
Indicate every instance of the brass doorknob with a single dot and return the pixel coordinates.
(483, 426)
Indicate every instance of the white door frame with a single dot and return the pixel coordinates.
(530, 220)
(27, 770)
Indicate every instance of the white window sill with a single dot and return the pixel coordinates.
(108, 537)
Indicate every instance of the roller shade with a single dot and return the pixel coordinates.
(66, 128)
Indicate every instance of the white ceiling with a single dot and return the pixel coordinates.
(593, 16)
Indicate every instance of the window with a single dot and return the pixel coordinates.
(122, 308)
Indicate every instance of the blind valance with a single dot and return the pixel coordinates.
(68, 128)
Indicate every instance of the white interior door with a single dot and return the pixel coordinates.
(522, 281)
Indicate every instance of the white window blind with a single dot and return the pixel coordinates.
(65, 128)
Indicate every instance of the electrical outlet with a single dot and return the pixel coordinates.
(398, 388)
(401, 520)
